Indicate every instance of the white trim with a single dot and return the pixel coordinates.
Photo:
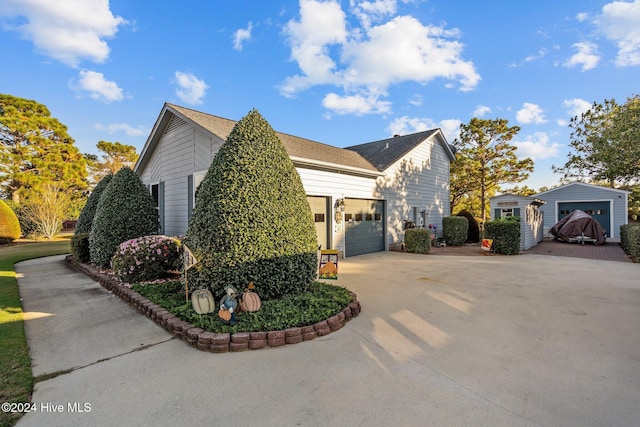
(611, 211)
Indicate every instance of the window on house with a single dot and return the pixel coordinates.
(504, 212)
(198, 177)
(318, 217)
(359, 217)
(378, 217)
(348, 217)
(155, 193)
(369, 217)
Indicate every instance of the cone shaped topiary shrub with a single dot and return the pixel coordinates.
(80, 239)
(252, 221)
(126, 210)
(9, 224)
(83, 226)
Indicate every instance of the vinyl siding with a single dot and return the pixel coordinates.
(586, 193)
(531, 219)
(420, 180)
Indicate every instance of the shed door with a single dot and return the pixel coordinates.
(600, 211)
(365, 226)
(320, 210)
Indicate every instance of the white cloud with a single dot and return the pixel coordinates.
(576, 106)
(242, 35)
(587, 56)
(530, 113)
(537, 147)
(407, 125)
(366, 60)
(416, 100)
(481, 110)
(98, 87)
(620, 23)
(355, 104)
(582, 16)
(123, 127)
(66, 30)
(190, 88)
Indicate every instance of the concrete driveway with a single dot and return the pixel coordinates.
(528, 340)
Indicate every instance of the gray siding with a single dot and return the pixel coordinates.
(419, 180)
(531, 218)
(578, 192)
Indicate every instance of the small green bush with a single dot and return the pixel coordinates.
(126, 210)
(9, 224)
(505, 233)
(417, 240)
(630, 240)
(89, 210)
(80, 247)
(455, 230)
(473, 235)
(146, 258)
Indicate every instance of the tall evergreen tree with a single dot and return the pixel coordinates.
(36, 149)
(252, 221)
(89, 210)
(486, 159)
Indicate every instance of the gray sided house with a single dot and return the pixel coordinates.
(360, 196)
(607, 205)
(529, 211)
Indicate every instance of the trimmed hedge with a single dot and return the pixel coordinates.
(630, 240)
(126, 210)
(473, 235)
(9, 224)
(80, 247)
(252, 221)
(505, 233)
(417, 240)
(83, 226)
(455, 230)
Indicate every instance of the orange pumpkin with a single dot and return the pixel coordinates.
(250, 301)
(224, 314)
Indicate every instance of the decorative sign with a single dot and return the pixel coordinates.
(328, 264)
(189, 259)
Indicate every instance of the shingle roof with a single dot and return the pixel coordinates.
(370, 158)
(295, 146)
(386, 152)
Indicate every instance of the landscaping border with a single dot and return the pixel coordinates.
(211, 341)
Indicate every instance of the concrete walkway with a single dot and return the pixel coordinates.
(526, 340)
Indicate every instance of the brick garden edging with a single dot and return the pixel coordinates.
(211, 341)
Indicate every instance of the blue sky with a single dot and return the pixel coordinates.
(338, 72)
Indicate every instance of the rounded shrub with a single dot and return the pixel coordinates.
(251, 221)
(146, 258)
(83, 226)
(473, 234)
(80, 247)
(455, 230)
(9, 224)
(126, 210)
(417, 240)
(505, 233)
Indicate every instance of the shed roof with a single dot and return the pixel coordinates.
(583, 184)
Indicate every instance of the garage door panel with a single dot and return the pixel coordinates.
(600, 211)
(365, 228)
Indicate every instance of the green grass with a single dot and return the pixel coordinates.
(16, 379)
(318, 303)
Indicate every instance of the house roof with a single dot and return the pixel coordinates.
(583, 184)
(386, 152)
(366, 159)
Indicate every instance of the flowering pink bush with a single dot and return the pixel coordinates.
(146, 258)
